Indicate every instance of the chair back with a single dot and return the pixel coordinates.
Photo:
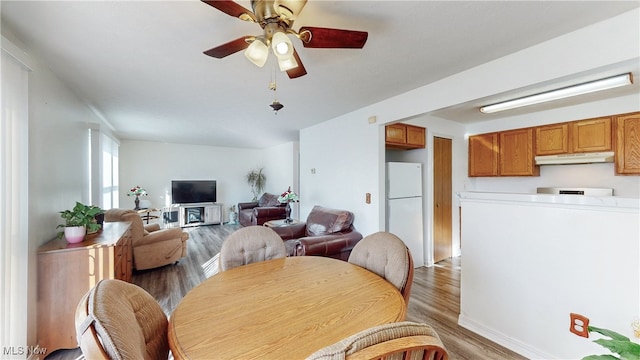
(137, 227)
(401, 340)
(118, 320)
(386, 255)
(250, 244)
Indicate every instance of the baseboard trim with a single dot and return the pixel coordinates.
(519, 347)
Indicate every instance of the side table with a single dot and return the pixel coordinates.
(280, 223)
(146, 214)
(289, 244)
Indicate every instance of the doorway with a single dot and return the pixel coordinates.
(442, 195)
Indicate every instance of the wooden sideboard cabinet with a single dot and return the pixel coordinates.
(404, 137)
(627, 158)
(516, 153)
(67, 271)
(483, 155)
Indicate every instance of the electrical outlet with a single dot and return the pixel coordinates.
(367, 197)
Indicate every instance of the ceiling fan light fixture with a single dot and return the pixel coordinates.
(288, 63)
(281, 45)
(257, 52)
(574, 90)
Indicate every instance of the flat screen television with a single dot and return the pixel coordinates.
(193, 191)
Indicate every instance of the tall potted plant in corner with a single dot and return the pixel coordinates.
(78, 221)
(257, 180)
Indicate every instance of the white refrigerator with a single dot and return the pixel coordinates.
(404, 206)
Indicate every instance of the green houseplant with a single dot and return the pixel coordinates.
(257, 180)
(613, 341)
(78, 221)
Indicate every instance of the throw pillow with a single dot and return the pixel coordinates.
(324, 221)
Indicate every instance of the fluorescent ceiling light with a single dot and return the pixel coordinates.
(584, 88)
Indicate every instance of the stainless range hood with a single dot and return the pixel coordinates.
(582, 158)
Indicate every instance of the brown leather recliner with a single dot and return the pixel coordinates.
(327, 232)
(152, 247)
(258, 212)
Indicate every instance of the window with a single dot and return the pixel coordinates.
(14, 195)
(104, 169)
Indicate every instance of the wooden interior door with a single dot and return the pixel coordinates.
(442, 194)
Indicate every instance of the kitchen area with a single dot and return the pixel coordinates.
(548, 234)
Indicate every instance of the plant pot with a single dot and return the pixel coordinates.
(233, 218)
(74, 234)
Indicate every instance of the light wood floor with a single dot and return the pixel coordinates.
(435, 295)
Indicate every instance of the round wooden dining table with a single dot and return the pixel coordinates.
(280, 309)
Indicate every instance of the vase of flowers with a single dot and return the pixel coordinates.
(288, 197)
(137, 191)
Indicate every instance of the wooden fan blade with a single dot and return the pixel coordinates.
(297, 71)
(229, 48)
(232, 8)
(316, 37)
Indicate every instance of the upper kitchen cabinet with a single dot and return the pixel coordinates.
(517, 153)
(627, 144)
(591, 135)
(404, 137)
(483, 155)
(552, 139)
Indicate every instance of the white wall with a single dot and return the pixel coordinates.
(58, 164)
(537, 259)
(153, 165)
(339, 162)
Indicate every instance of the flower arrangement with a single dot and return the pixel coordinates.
(137, 191)
(288, 196)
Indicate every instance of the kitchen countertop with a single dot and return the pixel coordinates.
(614, 202)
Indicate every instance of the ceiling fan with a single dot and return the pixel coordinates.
(276, 18)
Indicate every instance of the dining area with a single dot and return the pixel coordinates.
(263, 304)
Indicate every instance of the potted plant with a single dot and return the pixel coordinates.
(257, 180)
(616, 343)
(78, 221)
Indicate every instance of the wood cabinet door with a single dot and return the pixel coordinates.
(415, 136)
(396, 134)
(516, 153)
(64, 277)
(591, 135)
(552, 139)
(483, 155)
(442, 195)
(628, 144)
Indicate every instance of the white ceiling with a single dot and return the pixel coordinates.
(140, 64)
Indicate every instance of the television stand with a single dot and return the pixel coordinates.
(195, 214)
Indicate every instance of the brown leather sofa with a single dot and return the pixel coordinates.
(327, 232)
(258, 212)
(152, 247)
